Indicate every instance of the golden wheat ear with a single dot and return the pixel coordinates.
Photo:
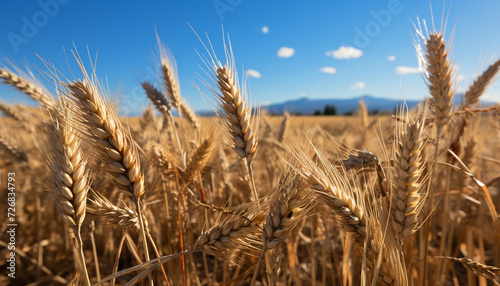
(239, 231)
(169, 74)
(344, 200)
(200, 158)
(478, 87)
(100, 208)
(440, 77)
(68, 169)
(238, 123)
(289, 203)
(70, 181)
(157, 98)
(363, 113)
(407, 195)
(16, 113)
(489, 272)
(283, 128)
(236, 112)
(112, 140)
(171, 85)
(28, 86)
(114, 146)
(15, 150)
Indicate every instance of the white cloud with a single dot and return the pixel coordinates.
(391, 58)
(330, 70)
(460, 77)
(344, 53)
(265, 30)
(401, 70)
(303, 94)
(358, 85)
(285, 52)
(253, 73)
(265, 103)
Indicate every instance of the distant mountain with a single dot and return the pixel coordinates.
(309, 106)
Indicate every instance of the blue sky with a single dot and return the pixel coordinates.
(299, 53)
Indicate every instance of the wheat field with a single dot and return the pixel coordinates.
(245, 197)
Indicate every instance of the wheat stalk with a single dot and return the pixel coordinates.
(171, 84)
(477, 88)
(19, 154)
(27, 87)
(363, 113)
(69, 177)
(238, 119)
(283, 128)
(114, 143)
(12, 112)
(488, 272)
(234, 110)
(440, 81)
(164, 106)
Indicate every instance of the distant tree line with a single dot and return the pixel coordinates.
(332, 110)
(329, 110)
